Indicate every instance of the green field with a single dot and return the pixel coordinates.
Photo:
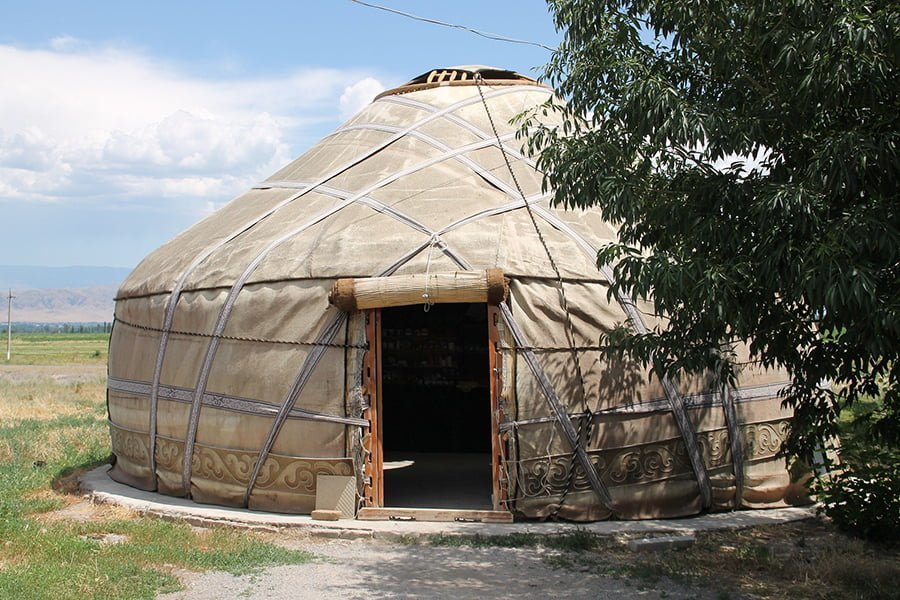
(56, 349)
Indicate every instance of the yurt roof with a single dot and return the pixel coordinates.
(461, 75)
(416, 178)
(226, 350)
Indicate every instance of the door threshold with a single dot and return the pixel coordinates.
(434, 514)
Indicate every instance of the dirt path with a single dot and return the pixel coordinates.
(370, 569)
(59, 373)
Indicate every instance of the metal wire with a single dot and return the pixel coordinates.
(485, 34)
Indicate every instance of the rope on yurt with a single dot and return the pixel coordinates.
(426, 297)
(238, 338)
(585, 425)
(733, 425)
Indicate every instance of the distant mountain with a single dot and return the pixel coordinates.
(78, 305)
(20, 278)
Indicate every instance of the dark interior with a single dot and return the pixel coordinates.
(436, 406)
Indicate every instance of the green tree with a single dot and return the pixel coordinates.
(749, 152)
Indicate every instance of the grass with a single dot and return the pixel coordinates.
(857, 444)
(50, 431)
(57, 349)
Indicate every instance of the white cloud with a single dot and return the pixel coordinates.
(358, 95)
(188, 143)
(94, 123)
(29, 149)
(63, 43)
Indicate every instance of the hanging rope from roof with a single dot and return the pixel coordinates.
(586, 423)
(428, 302)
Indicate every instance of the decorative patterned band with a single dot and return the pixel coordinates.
(650, 463)
(230, 467)
(232, 403)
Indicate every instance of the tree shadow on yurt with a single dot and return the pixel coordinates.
(436, 407)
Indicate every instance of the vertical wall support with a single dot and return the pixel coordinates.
(735, 439)
(374, 467)
(495, 362)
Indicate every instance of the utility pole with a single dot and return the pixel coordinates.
(9, 299)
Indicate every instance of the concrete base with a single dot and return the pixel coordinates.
(102, 489)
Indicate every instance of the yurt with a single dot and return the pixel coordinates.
(398, 324)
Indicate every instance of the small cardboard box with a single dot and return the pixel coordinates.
(336, 493)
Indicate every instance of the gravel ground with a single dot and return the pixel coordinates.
(371, 569)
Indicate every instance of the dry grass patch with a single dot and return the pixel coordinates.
(6, 451)
(805, 560)
(44, 398)
(78, 509)
(39, 446)
(72, 437)
(45, 495)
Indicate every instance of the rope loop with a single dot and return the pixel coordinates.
(433, 242)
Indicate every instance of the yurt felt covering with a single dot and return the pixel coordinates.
(225, 343)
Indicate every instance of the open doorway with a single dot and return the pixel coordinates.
(436, 403)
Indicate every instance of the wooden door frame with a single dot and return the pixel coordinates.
(495, 363)
(373, 496)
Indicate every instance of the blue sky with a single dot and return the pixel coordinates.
(123, 123)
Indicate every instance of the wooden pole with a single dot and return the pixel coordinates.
(424, 288)
(9, 299)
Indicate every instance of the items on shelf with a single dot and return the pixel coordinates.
(418, 357)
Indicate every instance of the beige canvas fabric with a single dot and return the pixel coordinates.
(416, 172)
